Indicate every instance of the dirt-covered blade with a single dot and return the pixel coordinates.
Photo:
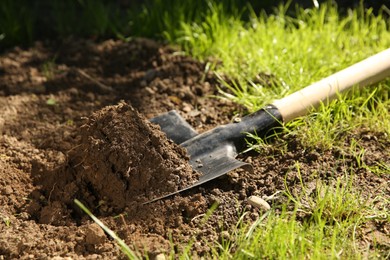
(213, 153)
(213, 165)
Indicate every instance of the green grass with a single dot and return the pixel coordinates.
(329, 126)
(22, 22)
(283, 236)
(6, 221)
(16, 22)
(323, 224)
(99, 18)
(296, 50)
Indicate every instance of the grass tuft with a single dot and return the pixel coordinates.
(322, 225)
(330, 124)
(298, 50)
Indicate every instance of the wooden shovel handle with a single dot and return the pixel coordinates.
(365, 72)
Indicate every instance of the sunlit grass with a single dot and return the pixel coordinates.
(296, 50)
(330, 124)
(321, 225)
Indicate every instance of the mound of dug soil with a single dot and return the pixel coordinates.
(122, 161)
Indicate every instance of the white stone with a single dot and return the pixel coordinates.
(258, 203)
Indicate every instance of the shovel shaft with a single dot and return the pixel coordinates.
(368, 71)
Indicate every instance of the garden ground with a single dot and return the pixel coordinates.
(49, 91)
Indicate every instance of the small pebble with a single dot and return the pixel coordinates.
(233, 175)
(225, 235)
(186, 107)
(258, 203)
(150, 74)
(194, 113)
(160, 257)
(8, 190)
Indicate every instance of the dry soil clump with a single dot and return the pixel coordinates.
(121, 162)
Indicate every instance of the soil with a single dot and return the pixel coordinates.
(121, 161)
(73, 123)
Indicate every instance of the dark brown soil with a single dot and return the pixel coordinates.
(121, 162)
(66, 134)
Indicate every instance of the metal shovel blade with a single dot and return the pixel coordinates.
(217, 163)
(174, 126)
(214, 152)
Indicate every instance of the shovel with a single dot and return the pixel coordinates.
(213, 153)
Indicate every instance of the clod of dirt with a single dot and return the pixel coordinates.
(122, 161)
(94, 234)
(55, 212)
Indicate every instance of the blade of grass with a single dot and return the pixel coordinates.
(123, 246)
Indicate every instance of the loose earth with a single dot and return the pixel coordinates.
(73, 124)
